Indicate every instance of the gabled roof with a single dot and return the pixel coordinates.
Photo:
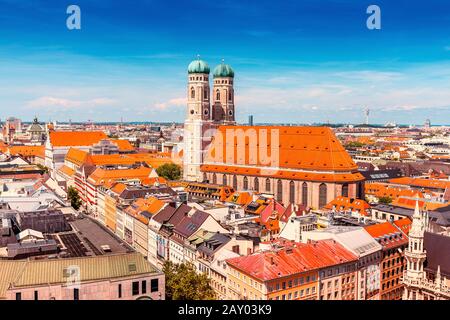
(26, 151)
(269, 265)
(387, 234)
(102, 176)
(311, 148)
(346, 203)
(124, 145)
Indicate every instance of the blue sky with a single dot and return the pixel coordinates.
(295, 61)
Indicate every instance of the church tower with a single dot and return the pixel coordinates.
(223, 94)
(198, 120)
(415, 254)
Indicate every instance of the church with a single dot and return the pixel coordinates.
(297, 164)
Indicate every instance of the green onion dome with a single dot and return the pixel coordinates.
(198, 66)
(223, 70)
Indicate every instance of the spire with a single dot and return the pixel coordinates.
(416, 210)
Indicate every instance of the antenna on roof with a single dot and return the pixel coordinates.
(198, 56)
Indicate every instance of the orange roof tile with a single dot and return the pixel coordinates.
(118, 188)
(102, 176)
(75, 138)
(241, 198)
(422, 182)
(124, 145)
(311, 148)
(346, 203)
(76, 156)
(67, 171)
(274, 264)
(27, 151)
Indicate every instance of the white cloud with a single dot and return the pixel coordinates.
(51, 102)
(175, 102)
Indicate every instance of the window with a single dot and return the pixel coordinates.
(230, 96)
(322, 195)
(224, 179)
(36, 295)
(119, 289)
(267, 184)
(192, 93)
(154, 285)
(345, 190)
(256, 185)
(205, 94)
(217, 95)
(76, 294)
(245, 183)
(18, 296)
(235, 182)
(305, 193)
(292, 192)
(214, 179)
(279, 190)
(135, 288)
(144, 286)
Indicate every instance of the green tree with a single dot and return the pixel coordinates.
(385, 200)
(354, 144)
(74, 198)
(169, 171)
(43, 168)
(184, 283)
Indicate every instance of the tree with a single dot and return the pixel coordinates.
(184, 283)
(74, 198)
(169, 171)
(384, 200)
(43, 168)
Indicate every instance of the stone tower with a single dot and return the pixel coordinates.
(415, 254)
(223, 94)
(198, 119)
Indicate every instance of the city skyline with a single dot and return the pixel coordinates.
(130, 62)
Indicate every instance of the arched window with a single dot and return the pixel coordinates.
(235, 182)
(192, 93)
(256, 185)
(205, 178)
(230, 95)
(292, 192)
(345, 190)
(245, 183)
(217, 95)
(214, 179)
(224, 180)
(322, 195)
(305, 194)
(268, 184)
(205, 93)
(279, 190)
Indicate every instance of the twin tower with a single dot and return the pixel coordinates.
(206, 110)
(200, 105)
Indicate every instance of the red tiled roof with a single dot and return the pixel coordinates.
(311, 148)
(268, 265)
